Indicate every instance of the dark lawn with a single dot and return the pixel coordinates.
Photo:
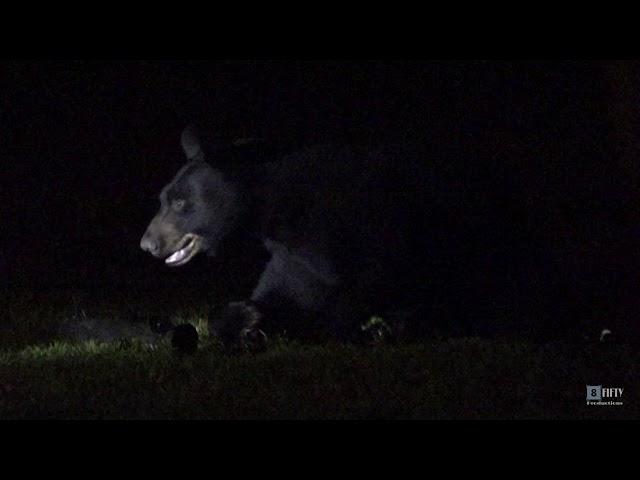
(44, 374)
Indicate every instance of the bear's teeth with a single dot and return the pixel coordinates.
(177, 256)
(182, 253)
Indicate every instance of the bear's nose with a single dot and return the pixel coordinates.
(149, 245)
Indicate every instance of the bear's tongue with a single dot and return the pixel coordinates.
(181, 254)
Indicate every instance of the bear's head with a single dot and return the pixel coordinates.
(198, 209)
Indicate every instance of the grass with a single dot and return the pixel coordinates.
(44, 375)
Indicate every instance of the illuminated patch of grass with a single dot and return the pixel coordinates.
(466, 378)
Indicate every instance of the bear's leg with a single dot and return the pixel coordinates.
(289, 295)
(238, 326)
(293, 292)
(238, 323)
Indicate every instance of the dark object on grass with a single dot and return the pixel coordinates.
(185, 339)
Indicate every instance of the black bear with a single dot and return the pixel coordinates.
(351, 233)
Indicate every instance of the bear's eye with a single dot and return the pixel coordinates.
(178, 204)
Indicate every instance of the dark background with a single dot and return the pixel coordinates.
(86, 146)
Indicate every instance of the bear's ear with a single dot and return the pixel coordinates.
(191, 144)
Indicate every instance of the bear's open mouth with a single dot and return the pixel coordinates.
(187, 248)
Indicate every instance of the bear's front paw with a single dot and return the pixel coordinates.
(253, 339)
(237, 326)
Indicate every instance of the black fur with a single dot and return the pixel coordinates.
(440, 238)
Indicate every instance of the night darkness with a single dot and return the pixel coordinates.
(86, 147)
